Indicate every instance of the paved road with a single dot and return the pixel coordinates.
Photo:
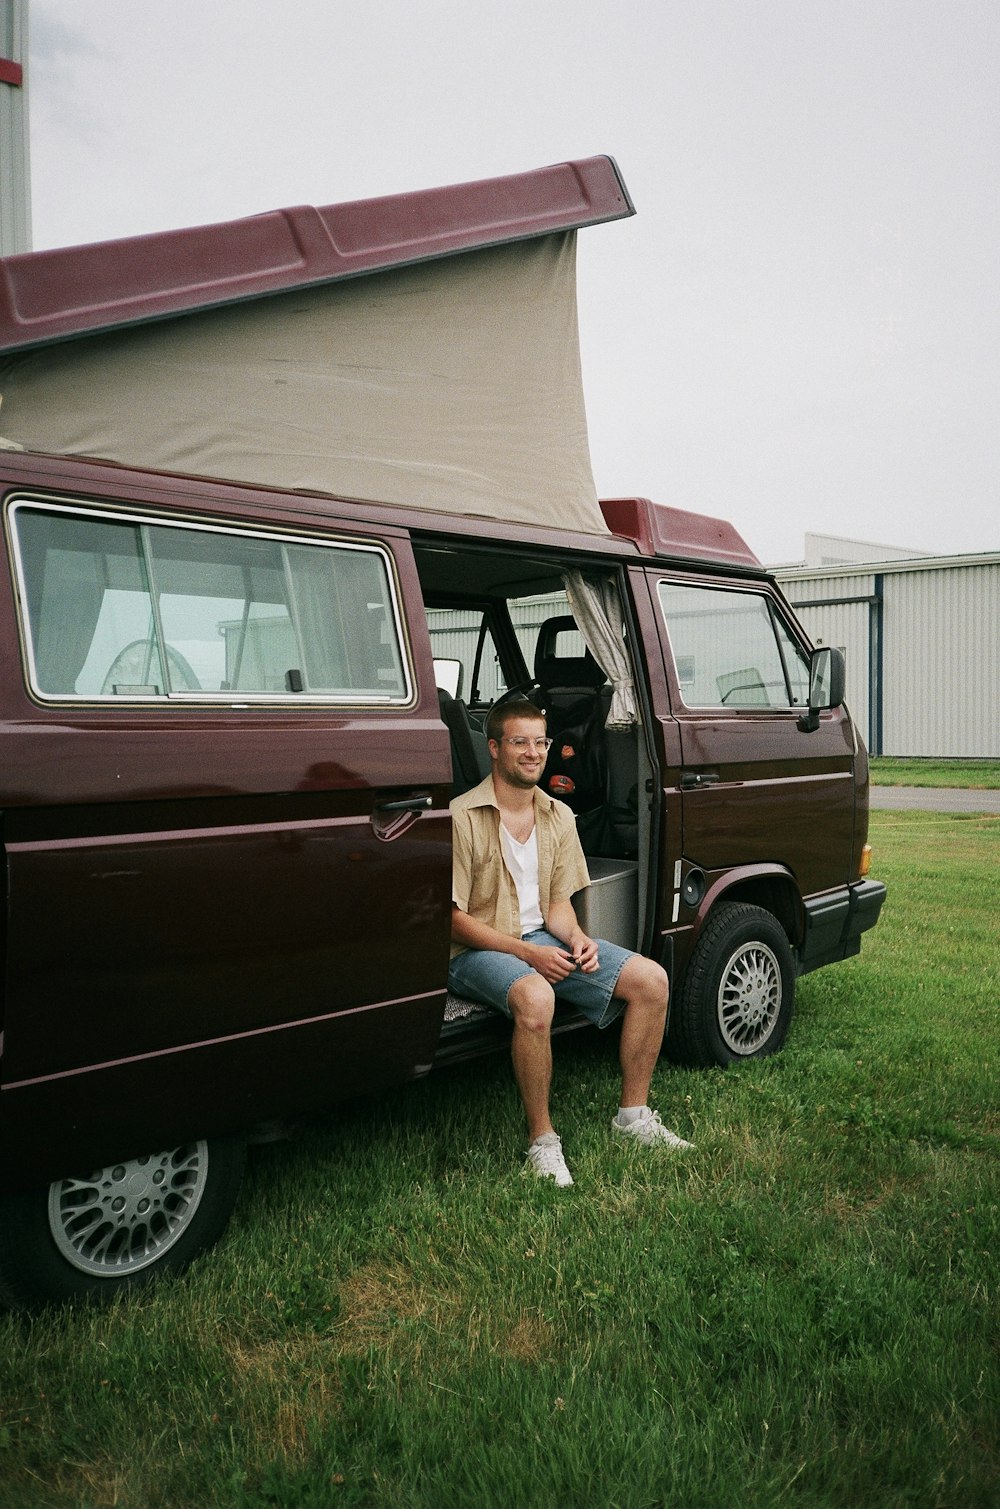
(933, 799)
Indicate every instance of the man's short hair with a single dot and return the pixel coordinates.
(503, 712)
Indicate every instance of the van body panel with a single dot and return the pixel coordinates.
(70, 755)
(738, 881)
(218, 930)
(183, 876)
(58, 1125)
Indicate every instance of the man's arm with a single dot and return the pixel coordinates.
(470, 932)
(569, 874)
(553, 964)
(562, 923)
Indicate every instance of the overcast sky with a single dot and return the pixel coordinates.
(800, 329)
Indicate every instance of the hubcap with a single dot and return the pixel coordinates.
(749, 998)
(122, 1218)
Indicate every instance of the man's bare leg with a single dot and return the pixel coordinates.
(532, 1004)
(644, 987)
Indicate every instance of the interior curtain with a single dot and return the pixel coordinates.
(65, 585)
(597, 608)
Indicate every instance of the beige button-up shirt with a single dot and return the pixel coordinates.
(483, 886)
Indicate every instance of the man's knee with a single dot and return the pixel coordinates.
(532, 1003)
(644, 983)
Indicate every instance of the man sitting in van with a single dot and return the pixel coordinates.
(517, 945)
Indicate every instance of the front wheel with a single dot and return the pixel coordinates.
(738, 992)
(118, 1227)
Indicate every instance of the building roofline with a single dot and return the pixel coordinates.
(803, 573)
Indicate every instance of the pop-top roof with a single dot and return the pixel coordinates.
(419, 350)
(50, 295)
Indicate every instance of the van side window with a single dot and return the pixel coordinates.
(731, 650)
(118, 608)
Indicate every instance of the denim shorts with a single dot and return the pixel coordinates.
(486, 975)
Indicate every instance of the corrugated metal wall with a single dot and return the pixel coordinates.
(941, 664)
(923, 650)
(844, 620)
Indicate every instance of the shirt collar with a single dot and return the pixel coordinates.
(484, 795)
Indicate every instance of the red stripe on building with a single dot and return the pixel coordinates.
(11, 73)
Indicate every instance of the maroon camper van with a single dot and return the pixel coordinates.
(287, 504)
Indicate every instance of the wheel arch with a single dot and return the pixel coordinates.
(769, 886)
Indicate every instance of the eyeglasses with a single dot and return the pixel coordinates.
(521, 743)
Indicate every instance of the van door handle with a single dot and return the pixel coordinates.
(407, 804)
(692, 779)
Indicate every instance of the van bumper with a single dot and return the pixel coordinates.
(835, 922)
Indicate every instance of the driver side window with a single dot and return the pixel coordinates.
(731, 650)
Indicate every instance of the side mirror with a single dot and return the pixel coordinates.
(827, 681)
(448, 675)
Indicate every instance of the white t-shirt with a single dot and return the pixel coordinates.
(522, 862)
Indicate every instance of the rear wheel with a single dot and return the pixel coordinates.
(737, 997)
(117, 1227)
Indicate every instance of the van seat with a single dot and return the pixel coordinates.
(579, 673)
(577, 696)
(470, 753)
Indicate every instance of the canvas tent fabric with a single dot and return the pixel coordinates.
(451, 385)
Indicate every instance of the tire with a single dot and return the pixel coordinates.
(118, 1227)
(737, 996)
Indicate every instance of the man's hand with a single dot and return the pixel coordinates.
(561, 921)
(584, 952)
(553, 964)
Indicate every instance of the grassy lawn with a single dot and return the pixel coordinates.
(977, 775)
(804, 1311)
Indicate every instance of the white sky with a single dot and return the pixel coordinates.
(800, 329)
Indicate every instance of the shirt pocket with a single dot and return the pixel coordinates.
(488, 880)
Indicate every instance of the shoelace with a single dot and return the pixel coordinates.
(547, 1158)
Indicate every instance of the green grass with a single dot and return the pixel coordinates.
(977, 775)
(804, 1311)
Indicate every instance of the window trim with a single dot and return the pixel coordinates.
(142, 519)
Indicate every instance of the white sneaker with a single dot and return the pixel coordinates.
(545, 1158)
(650, 1131)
